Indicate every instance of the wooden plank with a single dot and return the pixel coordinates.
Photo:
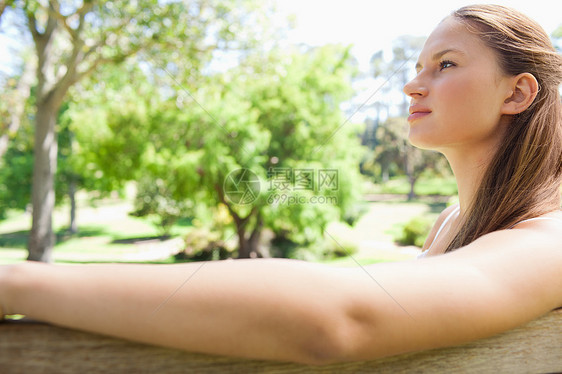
(28, 347)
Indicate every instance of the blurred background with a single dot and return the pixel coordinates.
(171, 131)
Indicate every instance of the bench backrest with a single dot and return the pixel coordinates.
(27, 347)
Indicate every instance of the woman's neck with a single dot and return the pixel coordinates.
(469, 165)
(470, 161)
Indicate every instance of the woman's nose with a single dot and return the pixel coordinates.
(415, 88)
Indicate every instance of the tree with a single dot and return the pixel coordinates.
(13, 105)
(72, 39)
(295, 135)
(16, 171)
(17, 162)
(395, 149)
(391, 146)
(405, 50)
(557, 38)
(278, 111)
(388, 152)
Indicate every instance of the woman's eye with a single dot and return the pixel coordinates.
(445, 64)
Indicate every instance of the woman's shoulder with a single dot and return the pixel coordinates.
(537, 234)
(546, 229)
(501, 280)
(550, 220)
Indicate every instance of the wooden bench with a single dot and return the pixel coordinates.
(29, 347)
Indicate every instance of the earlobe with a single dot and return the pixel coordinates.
(524, 90)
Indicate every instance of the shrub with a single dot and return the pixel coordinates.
(202, 244)
(326, 249)
(155, 199)
(415, 231)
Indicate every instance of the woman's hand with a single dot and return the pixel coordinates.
(3, 283)
(7, 273)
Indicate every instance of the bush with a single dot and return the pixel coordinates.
(204, 245)
(354, 213)
(340, 248)
(155, 199)
(415, 231)
(326, 249)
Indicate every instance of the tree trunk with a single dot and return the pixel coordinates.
(409, 168)
(411, 194)
(3, 5)
(254, 239)
(384, 172)
(243, 245)
(249, 247)
(42, 238)
(73, 226)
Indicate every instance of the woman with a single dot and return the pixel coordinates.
(486, 96)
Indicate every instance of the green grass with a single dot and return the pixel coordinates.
(423, 187)
(108, 234)
(352, 261)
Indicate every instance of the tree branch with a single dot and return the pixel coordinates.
(18, 100)
(3, 5)
(103, 38)
(32, 25)
(85, 8)
(61, 19)
(104, 60)
(93, 48)
(82, 11)
(51, 23)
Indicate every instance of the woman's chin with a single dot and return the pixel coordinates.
(422, 141)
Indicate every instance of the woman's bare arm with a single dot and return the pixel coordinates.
(271, 309)
(500, 281)
(295, 311)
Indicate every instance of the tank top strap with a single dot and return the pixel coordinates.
(537, 219)
(443, 224)
(458, 208)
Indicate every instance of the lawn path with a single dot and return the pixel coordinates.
(372, 233)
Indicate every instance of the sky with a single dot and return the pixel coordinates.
(371, 25)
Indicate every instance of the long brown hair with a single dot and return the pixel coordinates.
(523, 179)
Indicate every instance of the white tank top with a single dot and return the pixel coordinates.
(457, 210)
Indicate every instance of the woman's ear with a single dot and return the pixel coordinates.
(524, 89)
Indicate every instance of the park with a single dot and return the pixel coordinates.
(160, 133)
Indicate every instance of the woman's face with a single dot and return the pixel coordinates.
(457, 94)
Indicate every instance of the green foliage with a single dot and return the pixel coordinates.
(415, 231)
(73, 39)
(16, 164)
(427, 184)
(154, 198)
(202, 244)
(297, 96)
(557, 38)
(354, 212)
(395, 155)
(15, 180)
(272, 112)
(321, 250)
(179, 129)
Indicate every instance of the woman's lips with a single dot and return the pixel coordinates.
(417, 115)
(417, 111)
